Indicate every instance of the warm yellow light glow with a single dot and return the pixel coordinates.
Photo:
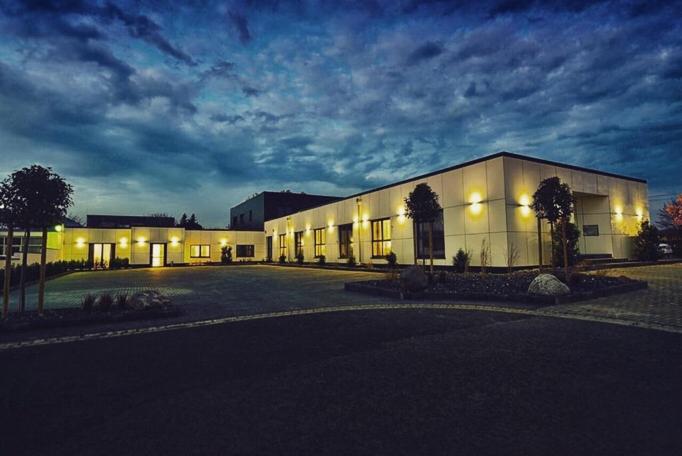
(640, 213)
(355, 220)
(80, 242)
(223, 242)
(140, 241)
(174, 241)
(401, 215)
(330, 226)
(307, 228)
(58, 228)
(123, 242)
(619, 213)
(524, 202)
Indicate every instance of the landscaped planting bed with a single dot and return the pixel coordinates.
(499, 287)
(96, 310)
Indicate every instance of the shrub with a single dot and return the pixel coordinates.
(392, 260)
(572, 237)
(104, 302)
(484, 256)
(299, 258)
(88, 302)
(646, 242)
(226, 255)
(282, 259)
(121, 300)
(461, 261)
(321, 259)
(351, 260)
(442, 276)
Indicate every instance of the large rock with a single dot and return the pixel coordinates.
(147, 299)
(414, 279)
(548, 285)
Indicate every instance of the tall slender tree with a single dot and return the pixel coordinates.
(423, 207)
(554, 202)
(8, 211)
(46, 198)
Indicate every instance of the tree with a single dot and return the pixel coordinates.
(183, 220)
(646, 242)
(674, 211)
(572, 238)
(8, 211)
(553, 201)
(189, 223)
(423, 207)
(45, 198)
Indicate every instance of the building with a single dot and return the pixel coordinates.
(143, 241)
(485, 207)
(252, 213)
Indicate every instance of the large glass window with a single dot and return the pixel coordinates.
(16, 246)
(200, 251)
(298, 243)
(345, 240)
(422, 238)
(320, 242)
(245, 251)
(282, 245)
(381, 237)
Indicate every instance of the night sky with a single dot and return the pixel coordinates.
(149, 107)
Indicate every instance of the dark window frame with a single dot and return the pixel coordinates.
(345, 245)
(379, 245)
(282, 245)
(320, 244)
(588, 230)
(200, 250)
(298, 242)
(250, 248)
(422, 228)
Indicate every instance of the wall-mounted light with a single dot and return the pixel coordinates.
(80, 242)
(141, 241)
(475, 203)
(59, 228)
(223, 242)
(307, 229)
(330, 226)
(401, 214)
(618, 212)
(524, 204)
(640, 213)
(174, 241)
(123, 242)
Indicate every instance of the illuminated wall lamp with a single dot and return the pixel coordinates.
(223, 242)
(524, 204)
(123, 242)
(174, 241)
(80, 242)
(140, 241)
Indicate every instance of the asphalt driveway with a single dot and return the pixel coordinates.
(400, 382)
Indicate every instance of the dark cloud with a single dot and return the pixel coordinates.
(426, 51)
(241, 25)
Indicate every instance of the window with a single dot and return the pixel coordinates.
(250, 216)
(16, 246)
(381, 237)
(320, 242)
(234, 221)
(200, 251)
(345, 240)
(298, 243)
(282, 245)
(422, 238)
(245, 250)
(241, 218)
(590, 230)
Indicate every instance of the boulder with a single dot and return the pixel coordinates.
(147, 299)
(414, 279)
(548, 285)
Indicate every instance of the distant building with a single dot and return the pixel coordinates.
(255, 211)
(128, 221)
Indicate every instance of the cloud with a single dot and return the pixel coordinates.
(426, 51)
(241, 25)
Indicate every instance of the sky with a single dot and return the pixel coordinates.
(150, 106)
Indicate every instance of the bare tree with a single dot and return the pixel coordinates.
(484, 256)
(511, 255)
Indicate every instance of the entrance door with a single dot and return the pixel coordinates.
(269, 247)
(101, 255)
(158, 255)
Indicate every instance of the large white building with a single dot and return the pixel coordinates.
(485, 205)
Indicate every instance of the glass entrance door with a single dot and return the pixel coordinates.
(268, 242)
(158, 255)
(101, 255)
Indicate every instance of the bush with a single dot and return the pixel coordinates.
(121, 300)
(104, 302)
(282, 259)
(572, 237)
(299, 258)
(321, 259)
(226, 255)
(351, 260)
(88, 302)
(646, 243)
(461, 261)
(392, 260)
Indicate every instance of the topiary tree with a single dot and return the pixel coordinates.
(572, 248)
(553, 201)
(461, 261)
(226, 255)
(8, 213)
(423, 207)
(646, 242)
(45, 198)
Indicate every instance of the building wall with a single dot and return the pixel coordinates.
(135, 243)
(485, 204)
